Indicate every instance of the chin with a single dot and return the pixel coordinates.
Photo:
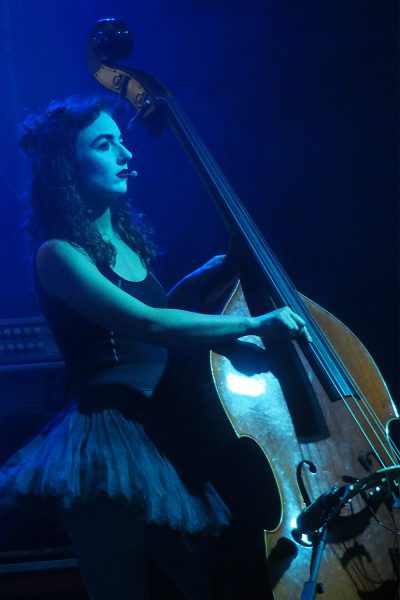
(112, 192)
(121, 191)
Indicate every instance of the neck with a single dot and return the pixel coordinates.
(103, 224)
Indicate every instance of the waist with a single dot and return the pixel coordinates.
(141, 377)
(132, 402)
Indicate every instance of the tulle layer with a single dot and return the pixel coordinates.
(80, 456)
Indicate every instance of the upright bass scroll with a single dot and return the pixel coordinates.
(346, 412)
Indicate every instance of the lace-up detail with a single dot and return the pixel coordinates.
(113, 345)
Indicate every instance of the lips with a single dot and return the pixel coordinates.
(123, 174)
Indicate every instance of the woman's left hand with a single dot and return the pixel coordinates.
(190, 291)
(214, 263)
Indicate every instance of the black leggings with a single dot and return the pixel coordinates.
(112, 545)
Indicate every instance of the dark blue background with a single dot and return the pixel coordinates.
(298, 103)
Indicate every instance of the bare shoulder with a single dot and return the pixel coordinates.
(59, 262)
(55, 249)
(60, 252)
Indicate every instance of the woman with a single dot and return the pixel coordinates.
(110, 318)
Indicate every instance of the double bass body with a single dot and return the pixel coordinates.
(311, 444)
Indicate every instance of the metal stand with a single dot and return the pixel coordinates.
(312, 587)
(317, 518)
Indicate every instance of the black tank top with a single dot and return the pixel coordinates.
(98, 359)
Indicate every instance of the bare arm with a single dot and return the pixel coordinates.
(68, 274)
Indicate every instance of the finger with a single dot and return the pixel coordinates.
(303, 332)
(301, 322)
(307, 335)
(290, 326)
(300, 328)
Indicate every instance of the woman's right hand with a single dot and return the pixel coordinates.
(282, 323)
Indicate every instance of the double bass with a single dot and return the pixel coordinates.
(317, 414)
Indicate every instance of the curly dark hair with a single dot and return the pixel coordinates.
(57, 206)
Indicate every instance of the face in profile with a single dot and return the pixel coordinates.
(102, 158)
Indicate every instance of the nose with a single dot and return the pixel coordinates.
(124, 154)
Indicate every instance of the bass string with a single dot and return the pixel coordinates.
(253, 237)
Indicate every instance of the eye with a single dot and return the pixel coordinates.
(104, 146)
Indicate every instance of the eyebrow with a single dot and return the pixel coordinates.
(107, 136)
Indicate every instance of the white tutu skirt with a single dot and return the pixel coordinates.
(81, 455)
